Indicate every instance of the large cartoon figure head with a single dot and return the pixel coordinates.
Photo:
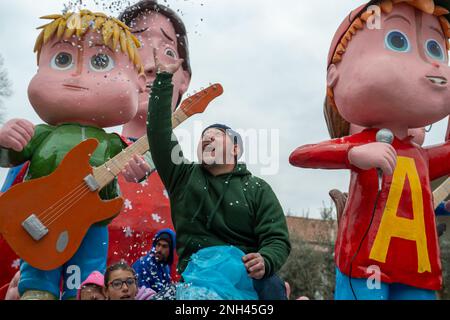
(90, 71)
(159, 28)
(394, 75)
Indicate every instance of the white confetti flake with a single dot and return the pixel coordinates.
(144, 183)
(156, 217)
(15, 264)
(128, 205)
(128, 232)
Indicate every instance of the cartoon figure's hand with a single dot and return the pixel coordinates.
(254, 263)
(136, 170)
(374, 155)
(167, 67)
(16, 133)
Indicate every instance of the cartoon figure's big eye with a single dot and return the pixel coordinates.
(434, 50)
(397, 41)
(101, 62)
(171, 53)
(62, 61)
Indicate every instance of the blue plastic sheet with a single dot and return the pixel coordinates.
(216, 273)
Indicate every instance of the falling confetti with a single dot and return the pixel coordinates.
(15, 264)
(156, 217)
(128, 232)
(128, 205)
(115, 7)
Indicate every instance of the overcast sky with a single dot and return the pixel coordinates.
(270, 57)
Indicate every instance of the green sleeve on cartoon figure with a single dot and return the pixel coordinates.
(10, 158)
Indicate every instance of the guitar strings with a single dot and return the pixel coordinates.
(48, 212)
(67, 208)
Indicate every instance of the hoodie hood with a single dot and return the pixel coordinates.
(172, 235)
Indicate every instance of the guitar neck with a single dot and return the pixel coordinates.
(441, 193)
(106, 173)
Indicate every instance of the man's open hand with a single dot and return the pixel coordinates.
(254, 263)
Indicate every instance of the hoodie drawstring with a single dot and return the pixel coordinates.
(200, 207)
(212, 215)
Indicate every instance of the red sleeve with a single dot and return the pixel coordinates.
(439, 160)
(125, 141)
(331, 154)
(22, 173)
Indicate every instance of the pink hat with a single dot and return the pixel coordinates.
(94, 278)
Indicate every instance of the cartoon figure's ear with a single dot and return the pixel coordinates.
(142, 81)
(332, 76)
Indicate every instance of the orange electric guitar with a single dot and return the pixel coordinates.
(45, 220)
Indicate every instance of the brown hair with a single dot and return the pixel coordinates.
(337, 125)
(146, 6)
(122, 265)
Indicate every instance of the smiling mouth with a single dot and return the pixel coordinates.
(74, 87)
(125, 297)
(437, 80)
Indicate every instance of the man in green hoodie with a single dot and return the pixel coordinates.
(218, 201)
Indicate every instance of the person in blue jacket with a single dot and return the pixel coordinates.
(153, 270)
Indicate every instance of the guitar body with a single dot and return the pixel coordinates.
(63, 206)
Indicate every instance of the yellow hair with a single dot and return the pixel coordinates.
(114, 32)
(338, 126)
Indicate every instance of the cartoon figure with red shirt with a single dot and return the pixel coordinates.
(147, 206)
(393, 78)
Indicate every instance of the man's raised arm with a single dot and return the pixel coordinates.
(165, 149)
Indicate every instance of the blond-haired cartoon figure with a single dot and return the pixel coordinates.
(89, 78)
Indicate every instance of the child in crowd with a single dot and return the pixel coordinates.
(121, 284)
(92, 287)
